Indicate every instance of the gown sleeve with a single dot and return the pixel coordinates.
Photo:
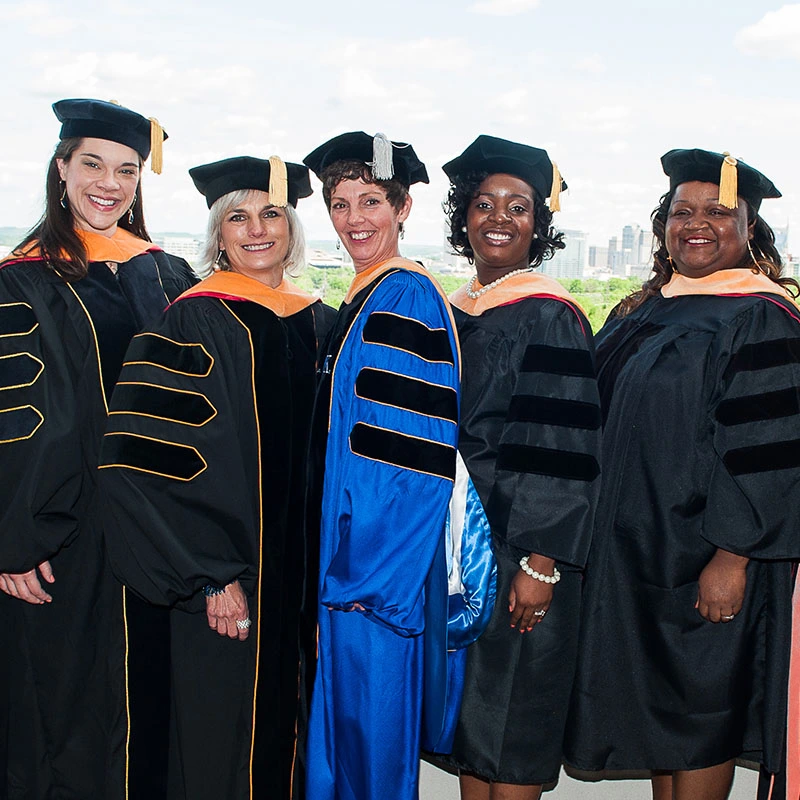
(40, 444)
(179, 462)
(391, 455)
(754, 423)
(546, 481)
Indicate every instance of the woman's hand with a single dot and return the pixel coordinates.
(720, 588)
(529, 598)
(26, 585)
(224, 610)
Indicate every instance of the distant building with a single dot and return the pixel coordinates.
(182, 246)
(598, 257)
(645, 249)
(570, 262)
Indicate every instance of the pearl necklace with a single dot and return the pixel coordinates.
(475, 295)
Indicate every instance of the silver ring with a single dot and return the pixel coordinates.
(728, 617)
(539, 613)
(243, 624)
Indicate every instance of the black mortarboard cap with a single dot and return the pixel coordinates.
(98, 119)
(492, 155)
(386, 159)
(734, 177)
(246, 172)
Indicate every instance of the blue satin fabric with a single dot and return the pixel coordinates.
(472, 579)
(382, 546)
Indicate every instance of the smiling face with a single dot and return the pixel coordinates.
(366, 222)
(500, 226)
(101, 178)
(703, 236)
(255, 237)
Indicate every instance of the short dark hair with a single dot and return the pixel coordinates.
(352, 170)
(763, 245)
(58, 244)
(464, 190)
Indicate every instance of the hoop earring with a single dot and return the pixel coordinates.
(130, 211)
(217, 266)
(63, 199)
(753, 256)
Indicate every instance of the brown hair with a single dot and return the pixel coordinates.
(352, 170)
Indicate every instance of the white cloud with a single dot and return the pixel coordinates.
(592, 64)
(775, 35)
(512, 100)
(503, 8)
(600, 120)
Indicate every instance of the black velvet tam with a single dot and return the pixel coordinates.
(98, 119)
(357, 145)
(246, 172)
(491, 154)
(703, 165)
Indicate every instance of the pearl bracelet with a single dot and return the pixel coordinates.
(554, 578)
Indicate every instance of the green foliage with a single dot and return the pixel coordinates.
(595, 297)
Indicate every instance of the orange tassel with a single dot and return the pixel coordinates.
(729, 182)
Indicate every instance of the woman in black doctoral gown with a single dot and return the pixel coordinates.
(687, 611)
(74, 652)
(530, 439)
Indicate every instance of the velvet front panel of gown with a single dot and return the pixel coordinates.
(389, 467)
(65, 684)
(700, 451)
(530, 436)
(225, 388)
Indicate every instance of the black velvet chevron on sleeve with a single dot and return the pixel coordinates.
(165, 459)
(410, 335)
(185, 358)
(188, 408)
(405, 452)
(20, 369)
(16, 319)
(411, 394)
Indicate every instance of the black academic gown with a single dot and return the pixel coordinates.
(530, 437)
(68, 706)
(701, 451)
(202, 470)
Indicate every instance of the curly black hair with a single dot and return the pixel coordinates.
(463, 191)
(763, 245)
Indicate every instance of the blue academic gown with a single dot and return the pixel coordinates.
(389, 470)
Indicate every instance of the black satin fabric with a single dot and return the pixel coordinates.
(65, 685)
(658, 687)
(524, 367)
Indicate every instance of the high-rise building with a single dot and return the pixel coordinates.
(571, 261)
(598, 257)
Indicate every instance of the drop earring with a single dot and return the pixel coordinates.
(217, 266)
(130, 211)
(402, 231)
(753, 256)
(63, 199)
(338, 244)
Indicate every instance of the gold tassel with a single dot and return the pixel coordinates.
(729, 182)
(555, 189)
(156, 146)
(278, 182)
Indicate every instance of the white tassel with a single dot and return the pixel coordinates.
(382, 163)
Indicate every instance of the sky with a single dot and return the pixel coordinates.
(605, 87)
